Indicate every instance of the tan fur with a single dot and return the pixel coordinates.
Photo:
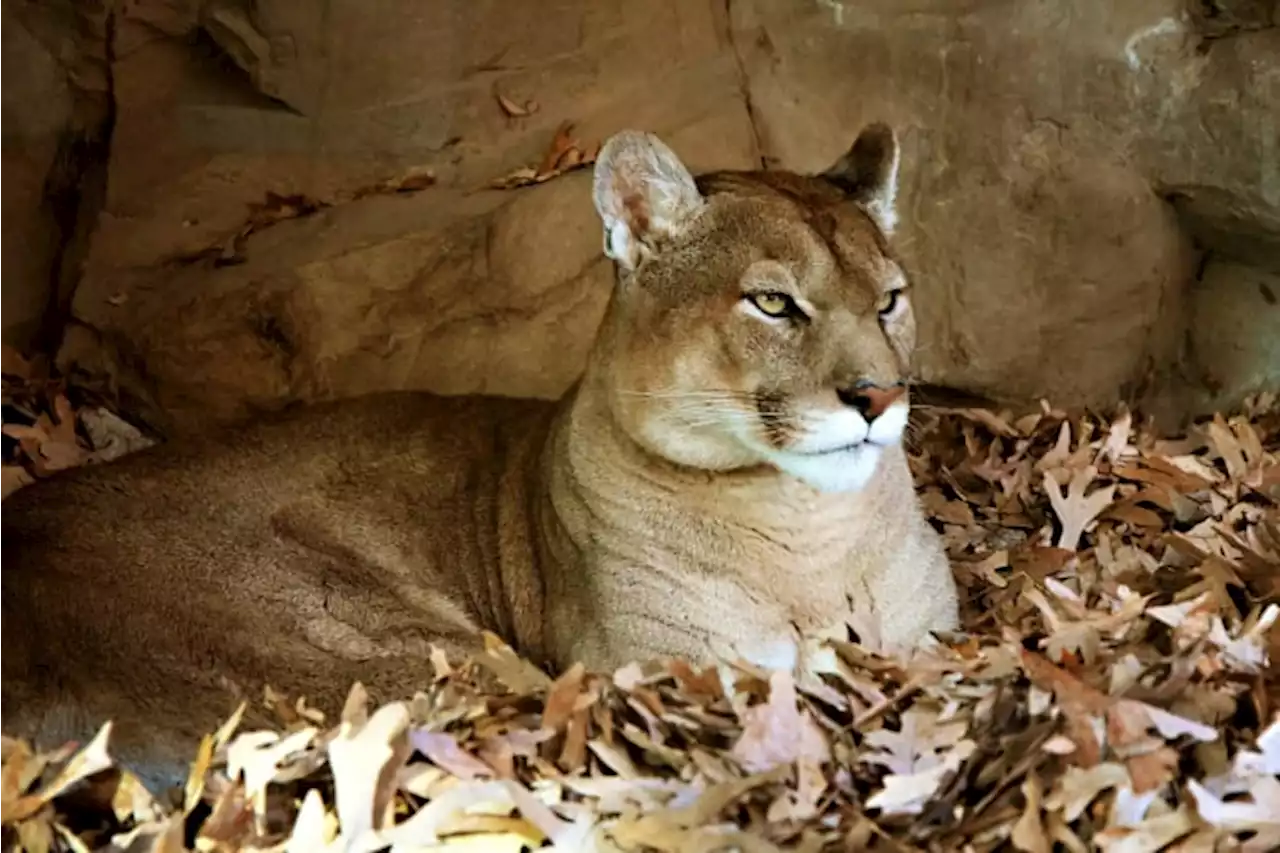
(649, 512)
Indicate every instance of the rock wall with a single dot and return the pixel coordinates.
(1091, 198)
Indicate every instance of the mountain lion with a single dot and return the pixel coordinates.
(727, 471)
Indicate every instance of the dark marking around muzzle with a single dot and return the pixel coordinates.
(772, 416)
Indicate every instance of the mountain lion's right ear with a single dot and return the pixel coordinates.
(642, 192)
(868, 172)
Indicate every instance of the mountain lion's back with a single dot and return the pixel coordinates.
(123, 583)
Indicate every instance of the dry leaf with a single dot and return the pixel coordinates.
(110, 435)
(777, 732)
(312, 830)
(442, 750)
(1074, 509)
(1228, 447)
(365, 758)
(906, 794)
(561, 143)
(564, 154)
(1259, 814)
(257, 756)
(1029, 832)
(517, 674)
(93, 758)
(1157, 635)
(514, 110)
(562, 697)
(1150, 836)
(1079, 787)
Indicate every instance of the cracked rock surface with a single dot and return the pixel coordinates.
(1090, 200)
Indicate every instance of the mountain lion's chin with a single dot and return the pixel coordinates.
(846, 470)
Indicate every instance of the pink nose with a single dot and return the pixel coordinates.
(871, 400)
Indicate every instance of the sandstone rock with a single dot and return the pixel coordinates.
(36, 110)
(456, 289)
(1045, 265)
(1218, 19)
(1066, 170)
(1211, 141)
(56, 117)
(1040, 147)
(361, 91)
(1235, 339)
(435, 290)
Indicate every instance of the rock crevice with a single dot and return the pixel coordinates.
(744, 83)
(75, 190)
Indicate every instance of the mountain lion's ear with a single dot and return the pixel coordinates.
(868, 172)
(642, 192)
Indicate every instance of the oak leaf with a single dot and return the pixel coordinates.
(778, 732)
(1075, 509)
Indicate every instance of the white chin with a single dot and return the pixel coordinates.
(842, 471)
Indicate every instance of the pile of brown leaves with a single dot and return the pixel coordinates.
(48, 432)
(1112, 691)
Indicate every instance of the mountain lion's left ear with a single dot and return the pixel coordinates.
(868, 172)
(643, 193)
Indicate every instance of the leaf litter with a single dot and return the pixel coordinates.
(1113, 689)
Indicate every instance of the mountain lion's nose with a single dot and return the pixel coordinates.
(869, 398)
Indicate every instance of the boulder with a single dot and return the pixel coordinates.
(457, 288)
(1070, 174)
(37, 111)
(1053, 156)
(57, 120)
(441, 289)
(1234, 343)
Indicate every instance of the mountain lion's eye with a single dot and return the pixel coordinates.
(773, 304)
(888, 302)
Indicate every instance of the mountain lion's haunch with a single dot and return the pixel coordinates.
(728, 471)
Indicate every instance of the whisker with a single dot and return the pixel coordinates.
(689, 416)
(713, 406)
(721, 418)
(705, 394)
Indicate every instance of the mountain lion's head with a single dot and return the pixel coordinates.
(760, 317)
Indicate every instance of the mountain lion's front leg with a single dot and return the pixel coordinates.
(614, 616)
(772, 645)
(915, 594)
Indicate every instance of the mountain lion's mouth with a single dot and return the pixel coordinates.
(843, 448)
